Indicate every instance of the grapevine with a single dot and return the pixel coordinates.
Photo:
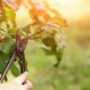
(13, 40)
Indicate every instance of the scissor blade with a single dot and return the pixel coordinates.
(11, 61)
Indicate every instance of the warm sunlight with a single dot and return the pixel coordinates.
(74, 9)
(47, 39)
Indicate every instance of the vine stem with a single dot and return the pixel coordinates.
(33, 36)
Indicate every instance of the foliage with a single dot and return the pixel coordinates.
(46, 20)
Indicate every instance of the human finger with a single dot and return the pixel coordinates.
(22, 78)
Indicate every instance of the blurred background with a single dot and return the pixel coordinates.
(73, 72)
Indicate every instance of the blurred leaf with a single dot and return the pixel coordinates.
(10, 17)
(44, 30)
(3, 61)
(15, 69)
(10, 13)
(7, 46)
(11, 4)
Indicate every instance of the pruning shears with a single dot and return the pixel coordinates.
(18, 52)
(21, 44)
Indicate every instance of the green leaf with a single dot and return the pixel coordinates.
(3, 61)
(7, 46)
(15, 69)
(9, 13)
(9, 16)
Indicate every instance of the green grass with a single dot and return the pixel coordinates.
(72, 74)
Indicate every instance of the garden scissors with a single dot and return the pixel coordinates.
(18, 52)
(21, 44)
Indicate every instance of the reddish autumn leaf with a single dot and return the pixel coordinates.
(42, 12)
(12, 4)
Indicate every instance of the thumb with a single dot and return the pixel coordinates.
(22, 78)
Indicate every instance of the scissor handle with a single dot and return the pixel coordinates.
(21, 45)
(22, 62)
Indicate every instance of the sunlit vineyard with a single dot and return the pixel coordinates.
(73, 72)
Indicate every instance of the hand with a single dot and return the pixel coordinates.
(20, 83)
